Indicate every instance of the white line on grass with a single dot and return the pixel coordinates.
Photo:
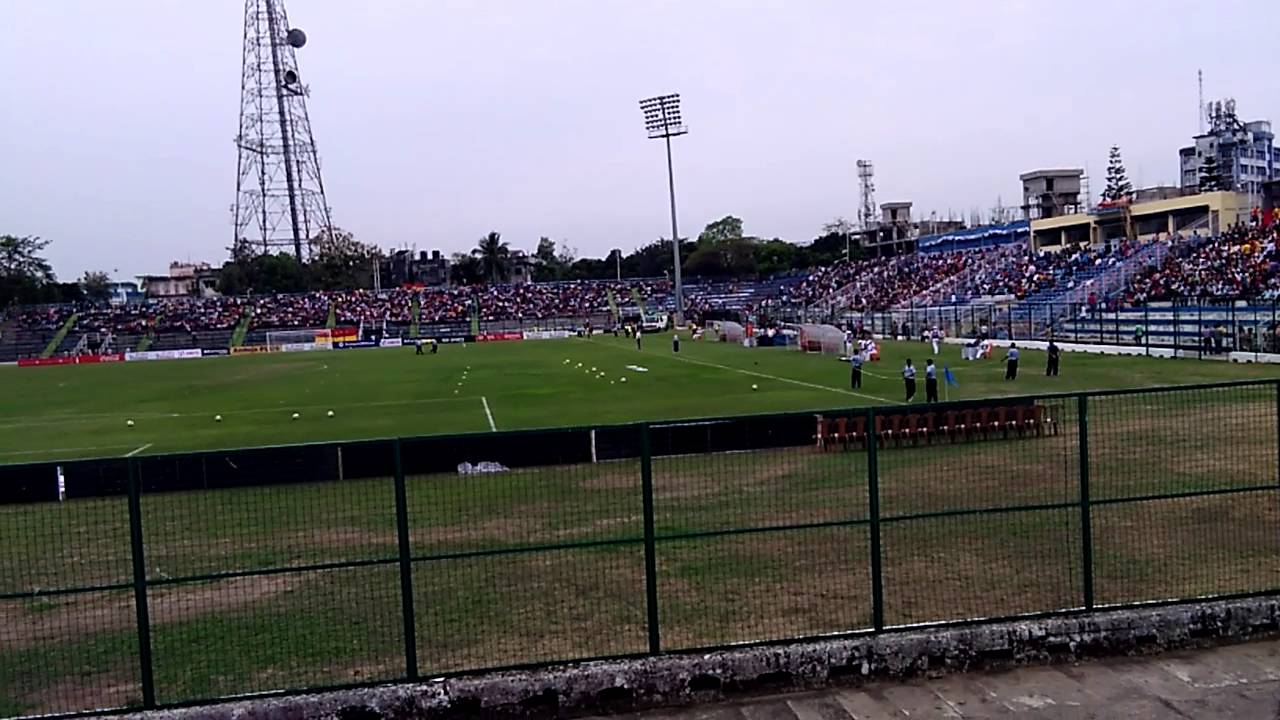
(488, 414)
(62, 450)
(138, 449)
(779, 379)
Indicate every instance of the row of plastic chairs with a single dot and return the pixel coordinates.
(984, 423)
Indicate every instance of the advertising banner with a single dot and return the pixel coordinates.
(250, 349)
(183, 354)
(546, 334)
(499, 336)
(304, 347)
(345, 334)
(391, 342)
(348, 344)
(71, 360)
(215, 352)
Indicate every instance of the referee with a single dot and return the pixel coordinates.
(1011, 363)
(909, 379)
(930, 381)
(855, 361)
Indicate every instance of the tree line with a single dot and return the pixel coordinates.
(339, 261)
(722, 250)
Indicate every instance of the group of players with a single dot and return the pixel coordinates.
(866, 346)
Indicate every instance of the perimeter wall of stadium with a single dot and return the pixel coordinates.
(155, 581)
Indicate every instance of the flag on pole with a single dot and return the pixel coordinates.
(946, 375)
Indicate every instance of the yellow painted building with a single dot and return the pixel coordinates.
(1206, 213)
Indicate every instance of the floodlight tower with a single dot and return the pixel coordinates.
(280, 200)
(662, 120)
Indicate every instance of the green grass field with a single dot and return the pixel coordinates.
(959, 536)
(81, 411)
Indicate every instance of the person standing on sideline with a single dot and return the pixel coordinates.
(637, 337)
(930, 381)
(935, 337)
(1011, 363)
(909, 379)
(675, 343)
(855, 361)
(417, 346)
(1051, 369)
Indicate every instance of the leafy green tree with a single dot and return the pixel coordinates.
(25, 275)
(494, 256)
(1118, 186)
(96, 286)
(548, 267)
(464, 269)
(340, 262)
(722, 230)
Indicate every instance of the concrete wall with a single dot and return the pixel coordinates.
(625, 685)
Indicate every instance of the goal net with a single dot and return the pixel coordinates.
(299, 340)
(731, 331)
(821, 338)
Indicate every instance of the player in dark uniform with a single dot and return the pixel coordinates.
(930, 381)
(1054, 354)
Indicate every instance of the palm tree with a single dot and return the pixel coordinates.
(494, 256)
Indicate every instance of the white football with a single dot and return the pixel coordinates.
(623, 380)
(129, 423)
(755, 387)
(296, 416)
(217, 418)
(330, 413)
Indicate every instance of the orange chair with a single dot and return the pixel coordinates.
(820, 435)
(925, 426)
(859, 432)
(842, 433)
(1001, 422)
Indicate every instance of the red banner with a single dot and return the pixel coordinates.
(500, 336)
(345, 334)
(71, 360)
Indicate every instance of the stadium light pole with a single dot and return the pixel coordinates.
(662, 121)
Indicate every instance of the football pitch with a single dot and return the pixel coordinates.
(298, 584)
(57, 413)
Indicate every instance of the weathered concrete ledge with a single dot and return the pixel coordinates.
(680, 679)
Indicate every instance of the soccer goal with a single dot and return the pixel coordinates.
(821, 338)
(299, 340)
(731, 331)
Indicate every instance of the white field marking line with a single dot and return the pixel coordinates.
(62, 450)
(485, 400)
(779, 379)
(138, 449)
(61, 419)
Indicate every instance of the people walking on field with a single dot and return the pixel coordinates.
(909, 379)
(930, 381)
(935, 337)
(1051, 370)
(417, 346)
(1011, 362)
(638, 337)
(855, 362)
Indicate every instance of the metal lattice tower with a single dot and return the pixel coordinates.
(280, 200)
(867, 205)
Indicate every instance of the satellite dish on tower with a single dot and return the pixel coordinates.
(296, 38)
(290, 77)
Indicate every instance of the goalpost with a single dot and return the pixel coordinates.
(299, 340)
(821, 338)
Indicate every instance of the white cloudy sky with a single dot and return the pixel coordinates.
(438, 121)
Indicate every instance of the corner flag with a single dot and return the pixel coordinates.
(951, 379)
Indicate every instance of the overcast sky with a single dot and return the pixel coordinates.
(439, 121)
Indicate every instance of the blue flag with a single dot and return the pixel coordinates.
(951, 379)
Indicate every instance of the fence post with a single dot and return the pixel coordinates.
(873, 509)
(1086, 521)
(650, 545)
(406, 567)
(146, 674)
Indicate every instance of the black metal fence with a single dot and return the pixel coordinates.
(1190, 327)
(155, 581)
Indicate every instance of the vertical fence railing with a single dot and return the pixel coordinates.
(408, 615)
(145, 671)
(650, 543)
(1086, 514)
(873, 512)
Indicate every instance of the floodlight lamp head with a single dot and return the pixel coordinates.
(662, 116)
